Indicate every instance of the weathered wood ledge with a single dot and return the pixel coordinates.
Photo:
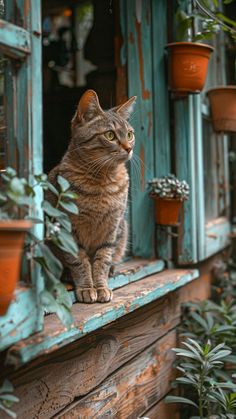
(88, 318)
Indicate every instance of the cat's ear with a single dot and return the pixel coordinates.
(126, 108)
(88, 108)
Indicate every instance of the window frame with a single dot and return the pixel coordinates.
(22, 44)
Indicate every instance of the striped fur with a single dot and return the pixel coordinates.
(95, 167)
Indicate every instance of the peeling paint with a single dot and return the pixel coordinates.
(142, 159)
(145, 93)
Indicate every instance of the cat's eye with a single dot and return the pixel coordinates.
(110, 135)
(130, 135)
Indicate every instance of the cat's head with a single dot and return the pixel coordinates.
(103, 136)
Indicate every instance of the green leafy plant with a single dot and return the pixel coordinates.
(197, 367)
(7, 399)
(16, 201)
(209, 332)
(169, 187)
(207, 16)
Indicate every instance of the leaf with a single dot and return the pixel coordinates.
(70, 195)
(9, 398)
(200, 320)
(70, 207)
(53, 264)
(64, 184)
(177, 399)
(52, 189)
(8, 411)
(6, 387)
(50, 210)
(67, 242)
(219, 355)
(51, 305)
(66, 223)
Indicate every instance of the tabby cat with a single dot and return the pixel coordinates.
(94, 164)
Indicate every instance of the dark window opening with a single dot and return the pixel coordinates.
(78, 54)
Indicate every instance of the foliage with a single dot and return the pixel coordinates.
(207, 16)
(207, 360)
(7, 398)
(169, 187)
(16, 199)
(15, 194)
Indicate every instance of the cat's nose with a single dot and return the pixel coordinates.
(127, 148)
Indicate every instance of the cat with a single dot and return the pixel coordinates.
(94, 164)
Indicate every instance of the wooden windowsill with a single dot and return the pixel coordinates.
(88, 318)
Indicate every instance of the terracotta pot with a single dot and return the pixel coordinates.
(188, 62)
(223, 108)
(12, 234)
(167, 211)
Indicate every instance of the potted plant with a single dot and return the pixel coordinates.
(223, 108)
(188, 58)
(14, 198)
(168, 193)
(16, 209)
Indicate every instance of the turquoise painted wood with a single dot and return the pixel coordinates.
(14, 41)
(139, 61)
(186, 169)
(131, 271)
(199, 178)
(217, 236)
(25, 151)
(161, 121)
(21, 319)
(89, 318)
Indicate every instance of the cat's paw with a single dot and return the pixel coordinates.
(86, 295)
(104, 295)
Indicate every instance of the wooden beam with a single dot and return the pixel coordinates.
(132, 389)
(14, 40)
(139, 62)
(53, 381)
(89, 318)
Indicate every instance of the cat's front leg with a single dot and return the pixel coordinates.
(81, 272)
(101, 266)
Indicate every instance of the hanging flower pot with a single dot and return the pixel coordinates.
(188, 62)
(12, 234)
(168, 193)
(167, 211)
(223, 108)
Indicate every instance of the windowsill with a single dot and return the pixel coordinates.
(88, 318)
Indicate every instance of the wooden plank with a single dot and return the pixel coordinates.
(185, 170)
(130, 271)
(89, 318)
(21, 318)
(163, 410)
(139, 61)
(161, 113)
(217, 235)
(42, 390)
(133, 388)
(14, 41)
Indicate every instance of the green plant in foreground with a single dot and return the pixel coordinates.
(17, 201)
(7, 398)
(197, 365)
(207, 15)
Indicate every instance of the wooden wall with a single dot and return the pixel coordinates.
(121, 371)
